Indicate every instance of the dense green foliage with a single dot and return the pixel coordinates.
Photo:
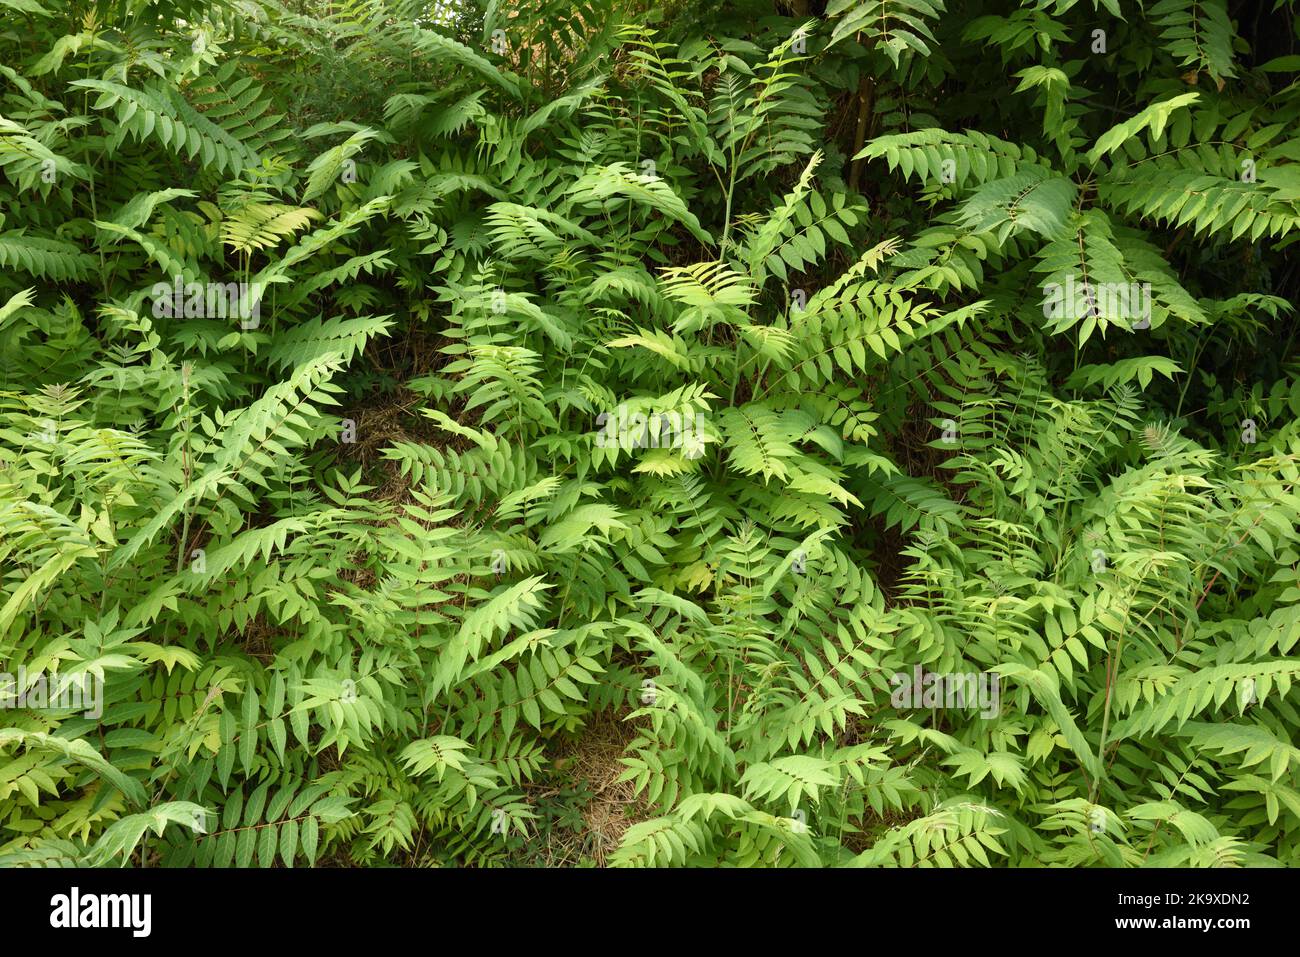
(397, 567)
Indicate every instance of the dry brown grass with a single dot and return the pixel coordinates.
(590, 762)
